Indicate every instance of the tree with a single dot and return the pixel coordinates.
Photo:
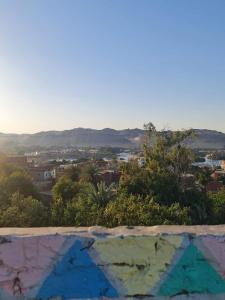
(165, 151)
(167, 161)
(66, 189)
(81, 211)
(73, 173)
(199, 206)
(57, 212)
(137, 210)
(217, 201)
(134, 180)
(18, 181)
(203, 176)
(89, 174)
(24, 212)
(101, 194)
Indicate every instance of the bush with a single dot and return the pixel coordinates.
(24, 212)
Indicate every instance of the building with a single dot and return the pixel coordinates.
(222, 164)
(187, 181)
(38, 174)
(19, 160)
(214, 186)
(141, 162)
(218, 175)
(108, 176)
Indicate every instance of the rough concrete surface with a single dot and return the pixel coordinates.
(160, 262)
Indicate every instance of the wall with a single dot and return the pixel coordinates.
(122, 263)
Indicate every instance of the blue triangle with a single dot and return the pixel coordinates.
(192, 274)
(76, 276)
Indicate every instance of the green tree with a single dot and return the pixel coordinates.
(89, 174)
(66, 189)
(101, 194)
(24, 212)
(73, 173)
(217, 201)
(18, 181)
(81, 211)
(57, 212)
(136, 210)
(134, 180)
(203, 176)
(166, 156)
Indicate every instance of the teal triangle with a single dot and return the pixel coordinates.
(192, 274)
(76, 276)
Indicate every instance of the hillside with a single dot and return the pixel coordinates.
(81, 137)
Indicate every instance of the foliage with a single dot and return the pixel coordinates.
(217, 201)
(19, 200)
(167, 160)
(66, 189)
(137, 210)
(101, 194)
(24, 212)
(18, 181)
(88, 174)
(203, 176)
(83, 212)
(73, 173)
(134, 180)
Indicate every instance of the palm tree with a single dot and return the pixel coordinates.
(101, 194)
(89, 174)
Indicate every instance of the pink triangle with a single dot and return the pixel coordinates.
(24, 261)
(216, 247)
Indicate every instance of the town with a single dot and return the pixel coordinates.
(161, 182)
(47, 166)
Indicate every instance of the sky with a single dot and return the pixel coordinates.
(111, 63)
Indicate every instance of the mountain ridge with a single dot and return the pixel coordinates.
(88, 137)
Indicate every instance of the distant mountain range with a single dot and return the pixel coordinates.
(81, 137)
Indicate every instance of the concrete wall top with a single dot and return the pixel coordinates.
(117, 231)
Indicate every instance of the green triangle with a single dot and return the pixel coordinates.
(192, 274)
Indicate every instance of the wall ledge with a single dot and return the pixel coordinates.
(117, 231)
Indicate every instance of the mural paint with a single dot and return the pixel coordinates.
(24, 261)
(137, 262)
(65, 267)
(76, 276)
(192, 274)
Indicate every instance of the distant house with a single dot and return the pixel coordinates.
(187, 180)
(222, 164)
(218, 175)
(214, 186)
(17, 160)
(108, 176)
(141, 162)
(67, 166)
(41, 173)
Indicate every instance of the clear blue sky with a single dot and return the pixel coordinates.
(111, 63)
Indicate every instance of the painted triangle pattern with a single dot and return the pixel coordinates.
(122, 267)
(76, 276)
(216, 247)
(136, 263)
(192, 274)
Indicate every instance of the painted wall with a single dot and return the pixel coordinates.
(80, 265)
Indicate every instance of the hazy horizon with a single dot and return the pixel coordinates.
(111, 64)
(99, 129)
